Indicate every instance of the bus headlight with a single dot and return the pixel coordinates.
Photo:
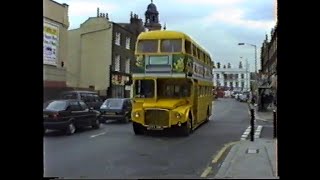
(178, 115)
(136, 114)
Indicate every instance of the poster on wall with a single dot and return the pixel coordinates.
(50, 43)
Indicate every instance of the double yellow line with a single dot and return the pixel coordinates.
(216, 158)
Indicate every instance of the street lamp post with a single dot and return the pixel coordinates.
(247, 74)
(255, 54)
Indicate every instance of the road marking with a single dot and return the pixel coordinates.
(97, 135)
(218, 156)
(206, 172)
(257, 132)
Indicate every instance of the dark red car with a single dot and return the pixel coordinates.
(68, 115)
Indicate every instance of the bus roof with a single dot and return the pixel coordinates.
(160, 34)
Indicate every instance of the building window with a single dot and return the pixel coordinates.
(231, 84)
(117, 63)
(225, 84)
(237, 84)
(128, 65)
(242, 76)
(218, 83)
(128, 42)
(118, 38)
(218, 76)
(242, 84)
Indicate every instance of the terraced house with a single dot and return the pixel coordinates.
(101, 53)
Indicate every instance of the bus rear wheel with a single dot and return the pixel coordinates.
(208, 115)
(137, 128)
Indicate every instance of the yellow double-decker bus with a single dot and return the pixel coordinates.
(172, 83)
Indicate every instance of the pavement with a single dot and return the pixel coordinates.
(251, 159)
(266, 115)
(114, 152)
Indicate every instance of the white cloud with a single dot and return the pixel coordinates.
(234, 17)
(88, 8)
(210, 2)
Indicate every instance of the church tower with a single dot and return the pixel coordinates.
(152, 18)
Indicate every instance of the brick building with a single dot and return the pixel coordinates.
(101, 53)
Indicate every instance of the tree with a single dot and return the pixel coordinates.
(229, 65)
(224, 66)
(218, 65)
(240, 65)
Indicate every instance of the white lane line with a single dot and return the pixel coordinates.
(97, 135)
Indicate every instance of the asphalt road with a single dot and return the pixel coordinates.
(113, 151)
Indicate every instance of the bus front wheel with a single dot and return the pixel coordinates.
(186, 128)
(137, 128)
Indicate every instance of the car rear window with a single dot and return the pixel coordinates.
(114, 103)
(56, 105)
(69, 96)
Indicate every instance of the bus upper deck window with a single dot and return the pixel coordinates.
(148, 46)
(171, 45)
(187, 46)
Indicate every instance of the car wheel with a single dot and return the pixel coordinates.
(96, 124)
(71, 129)
(126, 119)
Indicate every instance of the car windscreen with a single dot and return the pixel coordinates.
(56, 106)
(113, 103)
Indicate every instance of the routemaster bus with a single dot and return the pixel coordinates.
(172, 83)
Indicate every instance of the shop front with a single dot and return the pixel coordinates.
(118, 86)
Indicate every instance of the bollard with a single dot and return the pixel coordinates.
(252, 124)
(274, 124)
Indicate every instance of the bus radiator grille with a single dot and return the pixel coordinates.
(157, 117)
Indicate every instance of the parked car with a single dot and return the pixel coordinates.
(244, 97)
(91, 98)
(116, 109)
(68, 115)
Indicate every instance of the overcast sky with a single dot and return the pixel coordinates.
(218, 25)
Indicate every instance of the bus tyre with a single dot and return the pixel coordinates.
(208, 115)
(137, 128)
(186, 128)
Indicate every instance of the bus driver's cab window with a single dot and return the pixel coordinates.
(144, 88)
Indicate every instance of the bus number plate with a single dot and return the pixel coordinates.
(155, 127)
